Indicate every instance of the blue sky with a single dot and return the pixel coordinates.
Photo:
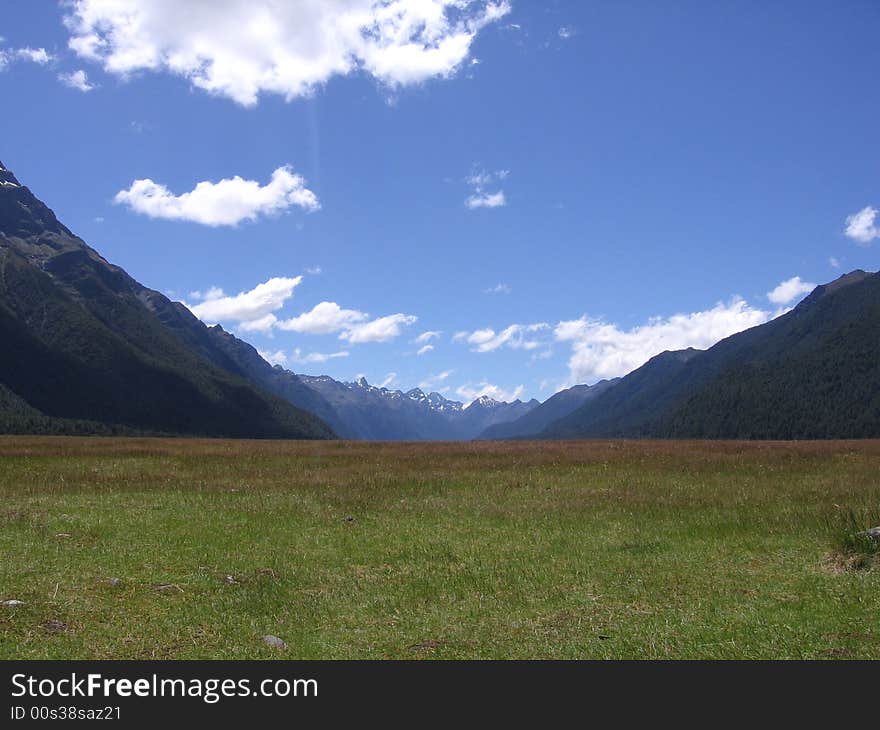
(559, 189)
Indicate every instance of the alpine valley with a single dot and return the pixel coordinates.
(89, 350)
(86, 349)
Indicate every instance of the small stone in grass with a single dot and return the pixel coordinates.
(428, 645)
(230, 580)
(63, 534)
(873, 533)
(55, 626)
(275, 642)
(348, 519)
(11, 602)
(111, 581)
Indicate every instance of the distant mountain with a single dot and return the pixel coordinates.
(556, 407)
(624, 409)
(486, 412)
(374, 413)
(814, 372)
(277, 380)
(88, 349)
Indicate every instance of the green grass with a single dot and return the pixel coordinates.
(526, 550)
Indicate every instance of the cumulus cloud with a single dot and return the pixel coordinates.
(242, 48)
(251, 309)
(39, 56)
(516, 336)
(424, 350)
(78, 80)
(432, 381)
(382, 329)
(789, 290)
(323, 319)
(426, 337)
(471, 391)
(861, 226)
(263, 324)
(225, 203)
(603, 350)
(479, 180)
(486, 200)
(316, 357)
(274, 358)
(498, 289)
(214, 292)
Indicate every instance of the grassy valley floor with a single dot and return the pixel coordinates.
(153, 548)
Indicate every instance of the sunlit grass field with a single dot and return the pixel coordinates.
(147, 548)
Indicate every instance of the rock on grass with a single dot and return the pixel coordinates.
(275, 642)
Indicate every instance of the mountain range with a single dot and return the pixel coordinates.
(86, 349)
(90, 350)
(375, 413)
(811, 373)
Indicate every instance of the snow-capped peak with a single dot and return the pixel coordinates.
(484, 401)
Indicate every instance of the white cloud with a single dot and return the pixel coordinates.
(425, 349)
(432, 381)
(389, 380)
(263, 324)
(790, 290)
(252, 309)
(313, 270)
(274, 358)
(566, 32)
(486, 200)
(39, 56)
(833, 263)
(382, 329)
(426, 337)
(328, 318)
(516, 336)
(479, 180)
(315, 357)
(78, 80)
(225, 203)
(543, 355)
(470, 392)
(214, 292)
(861, 227)
(498, 289)
(323, 319)
(602, 350)
(242, 48)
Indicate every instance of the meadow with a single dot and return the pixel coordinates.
(183, 549)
